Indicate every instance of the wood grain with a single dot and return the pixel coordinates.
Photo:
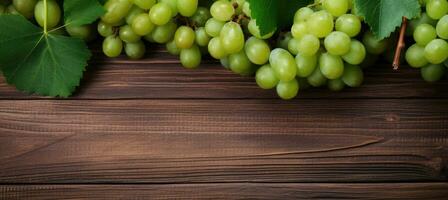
(160, 76)
(381, 191)
(203, 141)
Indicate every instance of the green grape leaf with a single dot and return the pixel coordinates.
(38, 62)
(80, 12)
(274, 15)
(384, 16)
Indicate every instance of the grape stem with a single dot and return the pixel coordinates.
(400, 44)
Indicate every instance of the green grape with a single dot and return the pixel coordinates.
(12, 10)
(424, 33)
(357, 53)
(225, 62)
(215, 48)
(172, 48)
(331, 66)
(184, 37)
(145, 4)
(85, 32)
(200, 17)
(320, 24)
(222, 10)
(317, 79)
(116, 11)
(52, 15)
(232, 37)
(105, 29)
(283, 40)
(293, 46)
(284, 65)
(298, 30)
(436, 51)
(165, 33)
(190, 57)
(240, 64)
(135, 50)
(336, 85)
(302, 14)
(160, 14)
(336, 7)
(265, 77)
(133, 13)
(25, 7)
(187, 8)
(173, 6)
(373, 45)
(112, 46)
(257, 50)
(128, 35)
(305, 65)
(213, 27)
(353, 76)
(442, 27)
(415, 56)
(433, 72)
(349, 24)
(255, 31)
(142, 24)
(423, 19)
(337, 43)
(436, 9)
(309, 45)
(288, 89)
(246, 9)
(202, 38)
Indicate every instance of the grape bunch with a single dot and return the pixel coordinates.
(430, 34)
(33, 10)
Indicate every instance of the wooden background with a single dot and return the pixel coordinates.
(151, 129)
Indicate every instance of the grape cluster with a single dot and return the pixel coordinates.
(430, 33)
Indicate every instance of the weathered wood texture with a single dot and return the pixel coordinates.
(417, 191)
(203, 141)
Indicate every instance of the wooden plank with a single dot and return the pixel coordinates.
(382, 191)
(161, 76)
(201, 141)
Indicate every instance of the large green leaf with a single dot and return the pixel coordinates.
(384, 16)
(275, 14)
(80, 12)
(40, 63)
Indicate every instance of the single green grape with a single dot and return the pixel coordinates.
(283, 40)
(142, 24)
(240, 64)
(200, 17)
(25, 7)
(187, 8)
(353, 75)
(215, 48)
(135, 50)
(436, 51)
(265, 77)
(336, 7)
(298, 30)
(308, 45)
(85, 32)
(293, 46)
(257, 50)
(202, 38)
(284, 64)
(163, 34)
(51, 16)
(172, 48)
(433, 72)
(302, 14)
(423, 19)
(184, 37)
(424, 33)
(442, 27)
(232, 37)
(105, 29)
(415, 56)
(112, 46)
(160, 14)
(317, 79)
(145, 4)
(288, 89)
(349, 24)
(436, 9)
(320, 24)
(373, 45)
(213, 27)
(357, 53)
(222, 10)
(336, 85)
(128, 35)
(337, 43)
(133, 13)
(116, 11)
(331, 66)
(190, 57)
(305, 65)
(255, 31)
(173, 6)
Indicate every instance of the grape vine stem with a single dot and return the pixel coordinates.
(400, 44)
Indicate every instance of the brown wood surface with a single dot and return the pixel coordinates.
(150, 128)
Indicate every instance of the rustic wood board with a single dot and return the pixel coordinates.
(150, 128)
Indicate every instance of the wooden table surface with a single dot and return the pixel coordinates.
(150, 129)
